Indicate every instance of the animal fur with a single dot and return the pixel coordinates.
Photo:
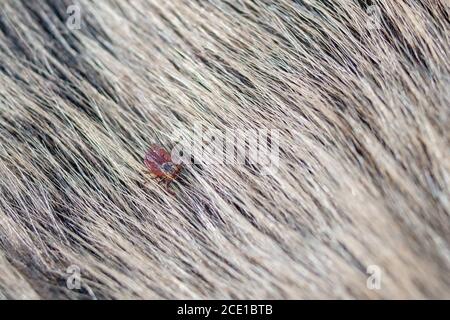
(363, 114)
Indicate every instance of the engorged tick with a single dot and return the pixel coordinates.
(160, 164)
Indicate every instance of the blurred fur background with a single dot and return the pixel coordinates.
(361, 99)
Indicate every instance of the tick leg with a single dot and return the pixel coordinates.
(152, 176)
(170, 192)
(168, 182)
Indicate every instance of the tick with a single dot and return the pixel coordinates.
(160, 164)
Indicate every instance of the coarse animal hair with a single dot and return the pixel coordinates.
(358, 91)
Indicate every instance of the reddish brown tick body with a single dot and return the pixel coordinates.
(159, 162)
